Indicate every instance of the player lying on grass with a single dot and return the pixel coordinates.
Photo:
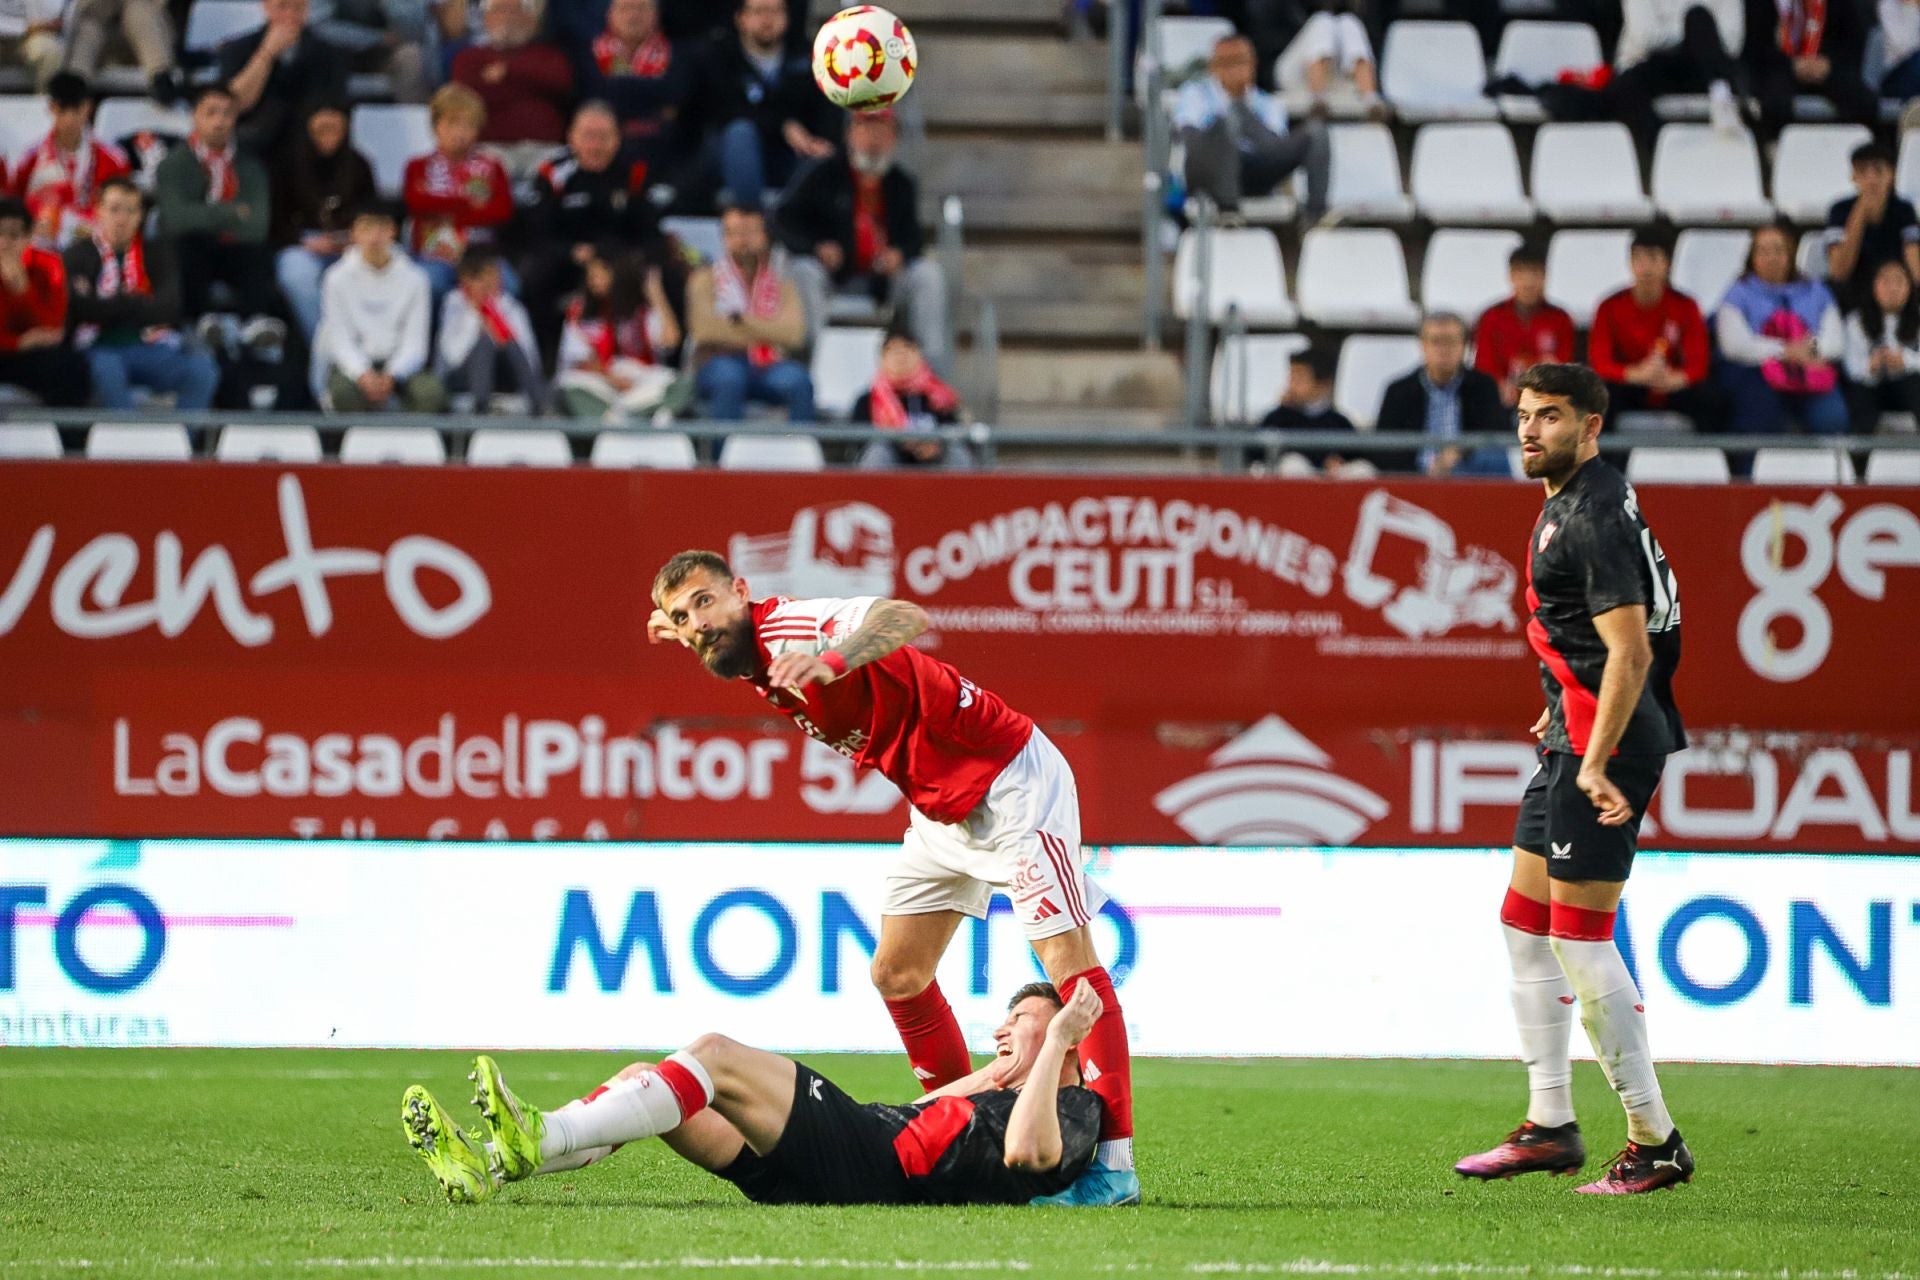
(1019, 1128)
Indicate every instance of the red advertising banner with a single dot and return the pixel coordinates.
(328, 651)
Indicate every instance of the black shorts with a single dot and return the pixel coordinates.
(1559, 823)
(834, 1151)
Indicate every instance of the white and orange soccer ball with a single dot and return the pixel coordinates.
(864, 59)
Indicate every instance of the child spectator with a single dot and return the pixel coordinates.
(485, 339)
(907, 400)
(457, 196)
(1524, 330)
(1307, 405)
(1872, 226)
(371, 349)
(1650, 343)
(620, 333)
(1883, 349)
(61, 177)
(33, 316)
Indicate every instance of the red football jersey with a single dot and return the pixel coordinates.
(933, 733)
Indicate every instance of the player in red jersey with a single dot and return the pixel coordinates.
(993, 806)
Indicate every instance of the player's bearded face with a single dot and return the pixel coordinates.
(727, 649)
(1549, 436)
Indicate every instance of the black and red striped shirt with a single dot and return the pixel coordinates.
(954, 1150)
(1592, 552)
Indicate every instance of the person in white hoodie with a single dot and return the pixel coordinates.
(1679, 46)
(370, 350)
(1883, 349)
(486, 341)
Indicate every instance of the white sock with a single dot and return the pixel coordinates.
(574, 1159)
(1115, 1153)
(1616, 1023)
(1543, 1012)
(642, 1107)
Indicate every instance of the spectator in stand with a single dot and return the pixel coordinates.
(852, 223)
(125, 307)
(34, 354)
(274, 71)
(212, 200)
(486, 341)
(1445, 399)
(381, 35)
(147, 28)
(619, 337)
(317, 184)
(1332, 57)
(30, 37)
(1883, 349)
(908, 401)
(1237, 139)
(1307, 405)
(61, 177)
(1523, 331)
(375, 308)
(746, 320)
(756, 106)
(525, 84)
(1678, 46)
(457, 195)
(1650, 343)
(643, 76)
(1900, 36)
(594, 194)
(1813, 47)
(1780, 336)
(1871, 227)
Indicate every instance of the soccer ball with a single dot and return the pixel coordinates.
(864, 59)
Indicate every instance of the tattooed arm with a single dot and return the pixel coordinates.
(889, 624)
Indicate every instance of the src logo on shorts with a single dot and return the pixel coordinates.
(1272, 786)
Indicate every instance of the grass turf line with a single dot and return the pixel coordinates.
(269, 1162)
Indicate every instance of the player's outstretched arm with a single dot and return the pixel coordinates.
(1033, 1130)
(889, 624)
(1629, 658)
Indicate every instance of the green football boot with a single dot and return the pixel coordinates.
(458, 1162)
(515, 1127)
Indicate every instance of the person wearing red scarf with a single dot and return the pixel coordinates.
(642, 75)
(745, 319)
(1808, 46)
(907, 401)
(61, 177)
(456, 195)
(486, 340)
(213, 201)
(33, 316)
(619, 335)
(526, 84)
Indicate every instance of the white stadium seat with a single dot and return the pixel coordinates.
(844, 361)
(1677, 466)
(143, 441)
(412, 446)
(1245, 271)
(1702, 175)
(1812, 256)
(1537, 52)
(1812, 168)
(519, 447)
(1367, 364)
(1468, 173)
(1583, 267)
(118, 118)
(210, 23)
(772, 453)
(702, 235)
(1188, 40)
(1906, 178)
(1250, 373)
(1588, 173)
(1465, 272)
(1435, 71)
(29, 440)
(268, 444)
(1802, 466)
(24, 120)
(389, 135)
(1893, 466)
(655, 450)
(1706, 262)
(1355, 278)
(1365, 181)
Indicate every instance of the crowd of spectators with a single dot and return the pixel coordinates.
(523, 266)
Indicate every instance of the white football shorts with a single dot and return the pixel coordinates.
(1023, 839)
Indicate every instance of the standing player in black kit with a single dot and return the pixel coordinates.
(1606, 625)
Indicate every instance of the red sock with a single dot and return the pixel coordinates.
(1104, 1062)
(935, 1048)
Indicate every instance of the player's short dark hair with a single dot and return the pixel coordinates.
(1527, 255)
(1578, 385)
(1872, 153)
(208, 90)
(14, 209)
(1652, 236)
(1045, 990)
(683, 566)
(69, 89)
(475, 261)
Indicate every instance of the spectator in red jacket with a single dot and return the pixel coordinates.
(1650, 344)
(60, 178)
(525, 84)
(34, 354)
(1525, 330)
(456, 194)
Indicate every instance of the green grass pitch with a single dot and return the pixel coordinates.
(247, 1163)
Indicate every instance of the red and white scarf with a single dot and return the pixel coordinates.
(223, 179)
(116, 279)
(1802, 24)
(889, 408)
(50, 176)
(649, 58)
(610, 338)
(732, 295)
